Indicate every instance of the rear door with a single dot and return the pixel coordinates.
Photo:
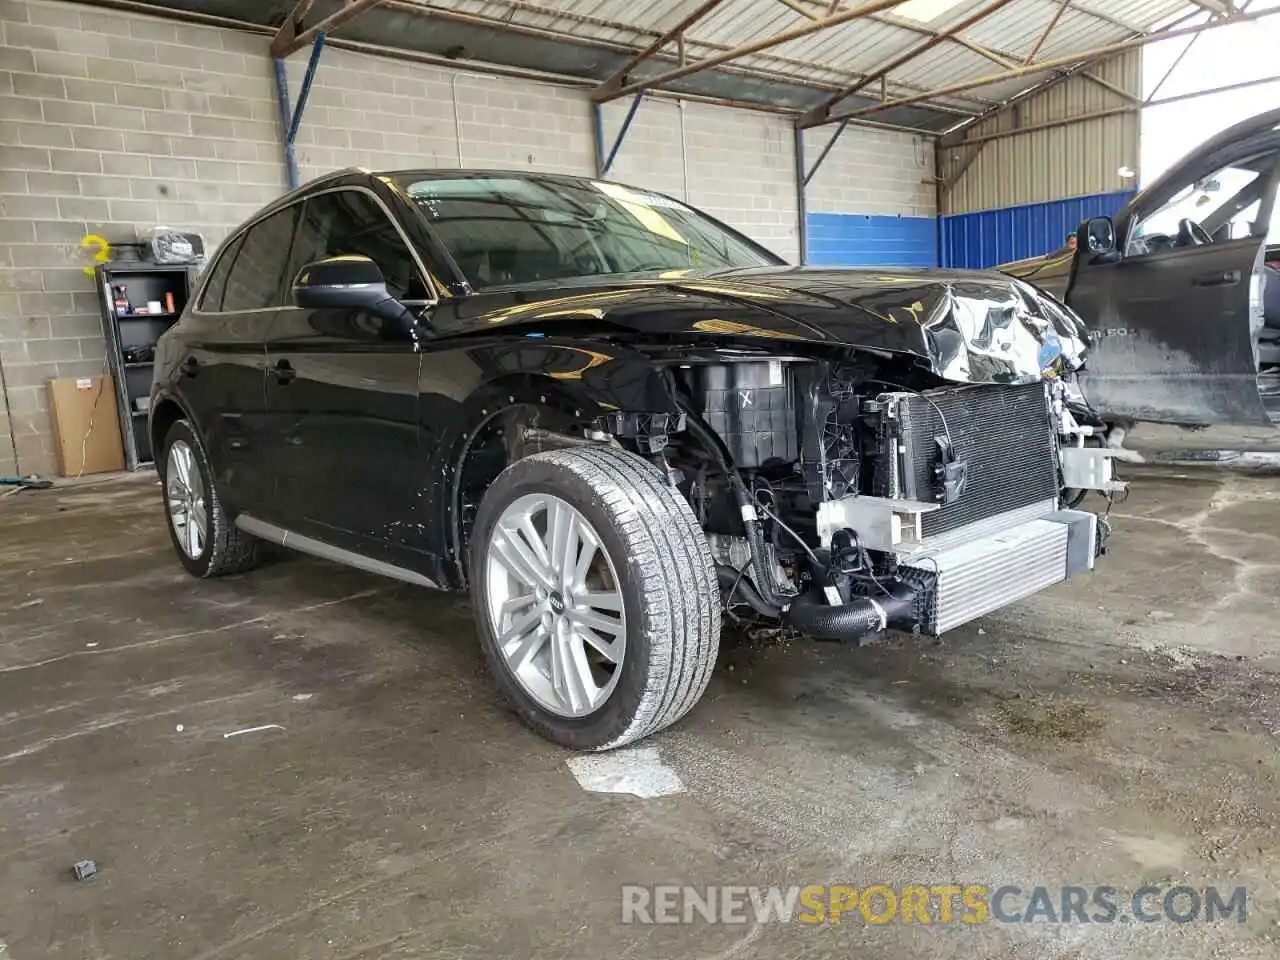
(342, 391)
(1177, 316)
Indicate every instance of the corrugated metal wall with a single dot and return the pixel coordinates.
(1076, 160)
(990, 237)
(853, 240)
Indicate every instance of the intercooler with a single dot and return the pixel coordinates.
(1000, 435)
(974, 577)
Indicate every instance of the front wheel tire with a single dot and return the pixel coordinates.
(594, 596)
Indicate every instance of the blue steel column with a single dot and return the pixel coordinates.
(802, 181)
(282, 103)
(291, 119)
(801, 207)
(605, 161)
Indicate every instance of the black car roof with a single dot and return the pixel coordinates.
(359, 176)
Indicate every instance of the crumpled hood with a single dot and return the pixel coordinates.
(971, 326)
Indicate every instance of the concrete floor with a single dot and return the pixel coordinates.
(1117, 730)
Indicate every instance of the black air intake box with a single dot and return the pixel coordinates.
(752, 406)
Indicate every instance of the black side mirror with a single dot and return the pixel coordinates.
(350, 282)
(1098, 236)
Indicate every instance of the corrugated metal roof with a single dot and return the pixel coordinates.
(591, 39)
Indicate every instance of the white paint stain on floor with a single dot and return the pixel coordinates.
(638, 771)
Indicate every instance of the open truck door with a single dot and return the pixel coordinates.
(1173, 289)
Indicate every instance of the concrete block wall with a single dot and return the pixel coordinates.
(738, 165)
(375, 112)
(871, 172)
(110, 123)
(114, 122)
(873, 200)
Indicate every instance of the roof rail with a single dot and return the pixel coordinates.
(285, 198)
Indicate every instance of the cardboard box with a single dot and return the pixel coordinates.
(86, 425)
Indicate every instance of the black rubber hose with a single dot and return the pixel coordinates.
(850, 621)
(735, 584)
(755, 533)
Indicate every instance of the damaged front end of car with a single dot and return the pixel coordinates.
(848, 490)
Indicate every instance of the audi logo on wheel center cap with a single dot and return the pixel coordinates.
(557, 603)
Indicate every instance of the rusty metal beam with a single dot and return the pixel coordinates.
(1048, 125)
(1108, 85)
(606, 91)
(615, 82)
(987, 52)
(290, 37)
(957, 132)
(823, 110)
(1242, 85)
(1062, 8)
(1073, 59)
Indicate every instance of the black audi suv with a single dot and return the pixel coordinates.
(611, 418)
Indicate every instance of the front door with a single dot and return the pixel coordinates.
(222, 370)
(1177, 313)
(342, 392)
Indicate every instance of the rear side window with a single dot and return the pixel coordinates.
(352, 222)
(211, 302)
(257, 273)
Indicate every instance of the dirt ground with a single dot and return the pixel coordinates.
(1119, 730)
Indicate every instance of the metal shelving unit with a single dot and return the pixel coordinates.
(143, 282)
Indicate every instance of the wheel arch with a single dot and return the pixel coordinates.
(165, 412)
(498, 413)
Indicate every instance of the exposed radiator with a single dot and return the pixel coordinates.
(1002, 433)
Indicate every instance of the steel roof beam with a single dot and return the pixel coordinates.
(822, 111)
(987, 52)
(1047, 125)
(1062, 8)
(619, 77)
(613, 88)
(1242, 85)
(1073, 59)
(1108, 85)
(292, 37)
(955, 134)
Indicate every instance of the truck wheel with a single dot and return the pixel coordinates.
(207, 542)
(594, 596)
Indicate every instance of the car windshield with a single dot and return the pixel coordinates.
(514, 230)
(1225, 204)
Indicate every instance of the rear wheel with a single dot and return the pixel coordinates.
(207, 542)
(594, 596)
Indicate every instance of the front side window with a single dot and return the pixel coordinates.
(1222, 206)
(258, 269)
(514, 230)
(352, 222)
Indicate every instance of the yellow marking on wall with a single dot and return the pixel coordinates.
(101, 252)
